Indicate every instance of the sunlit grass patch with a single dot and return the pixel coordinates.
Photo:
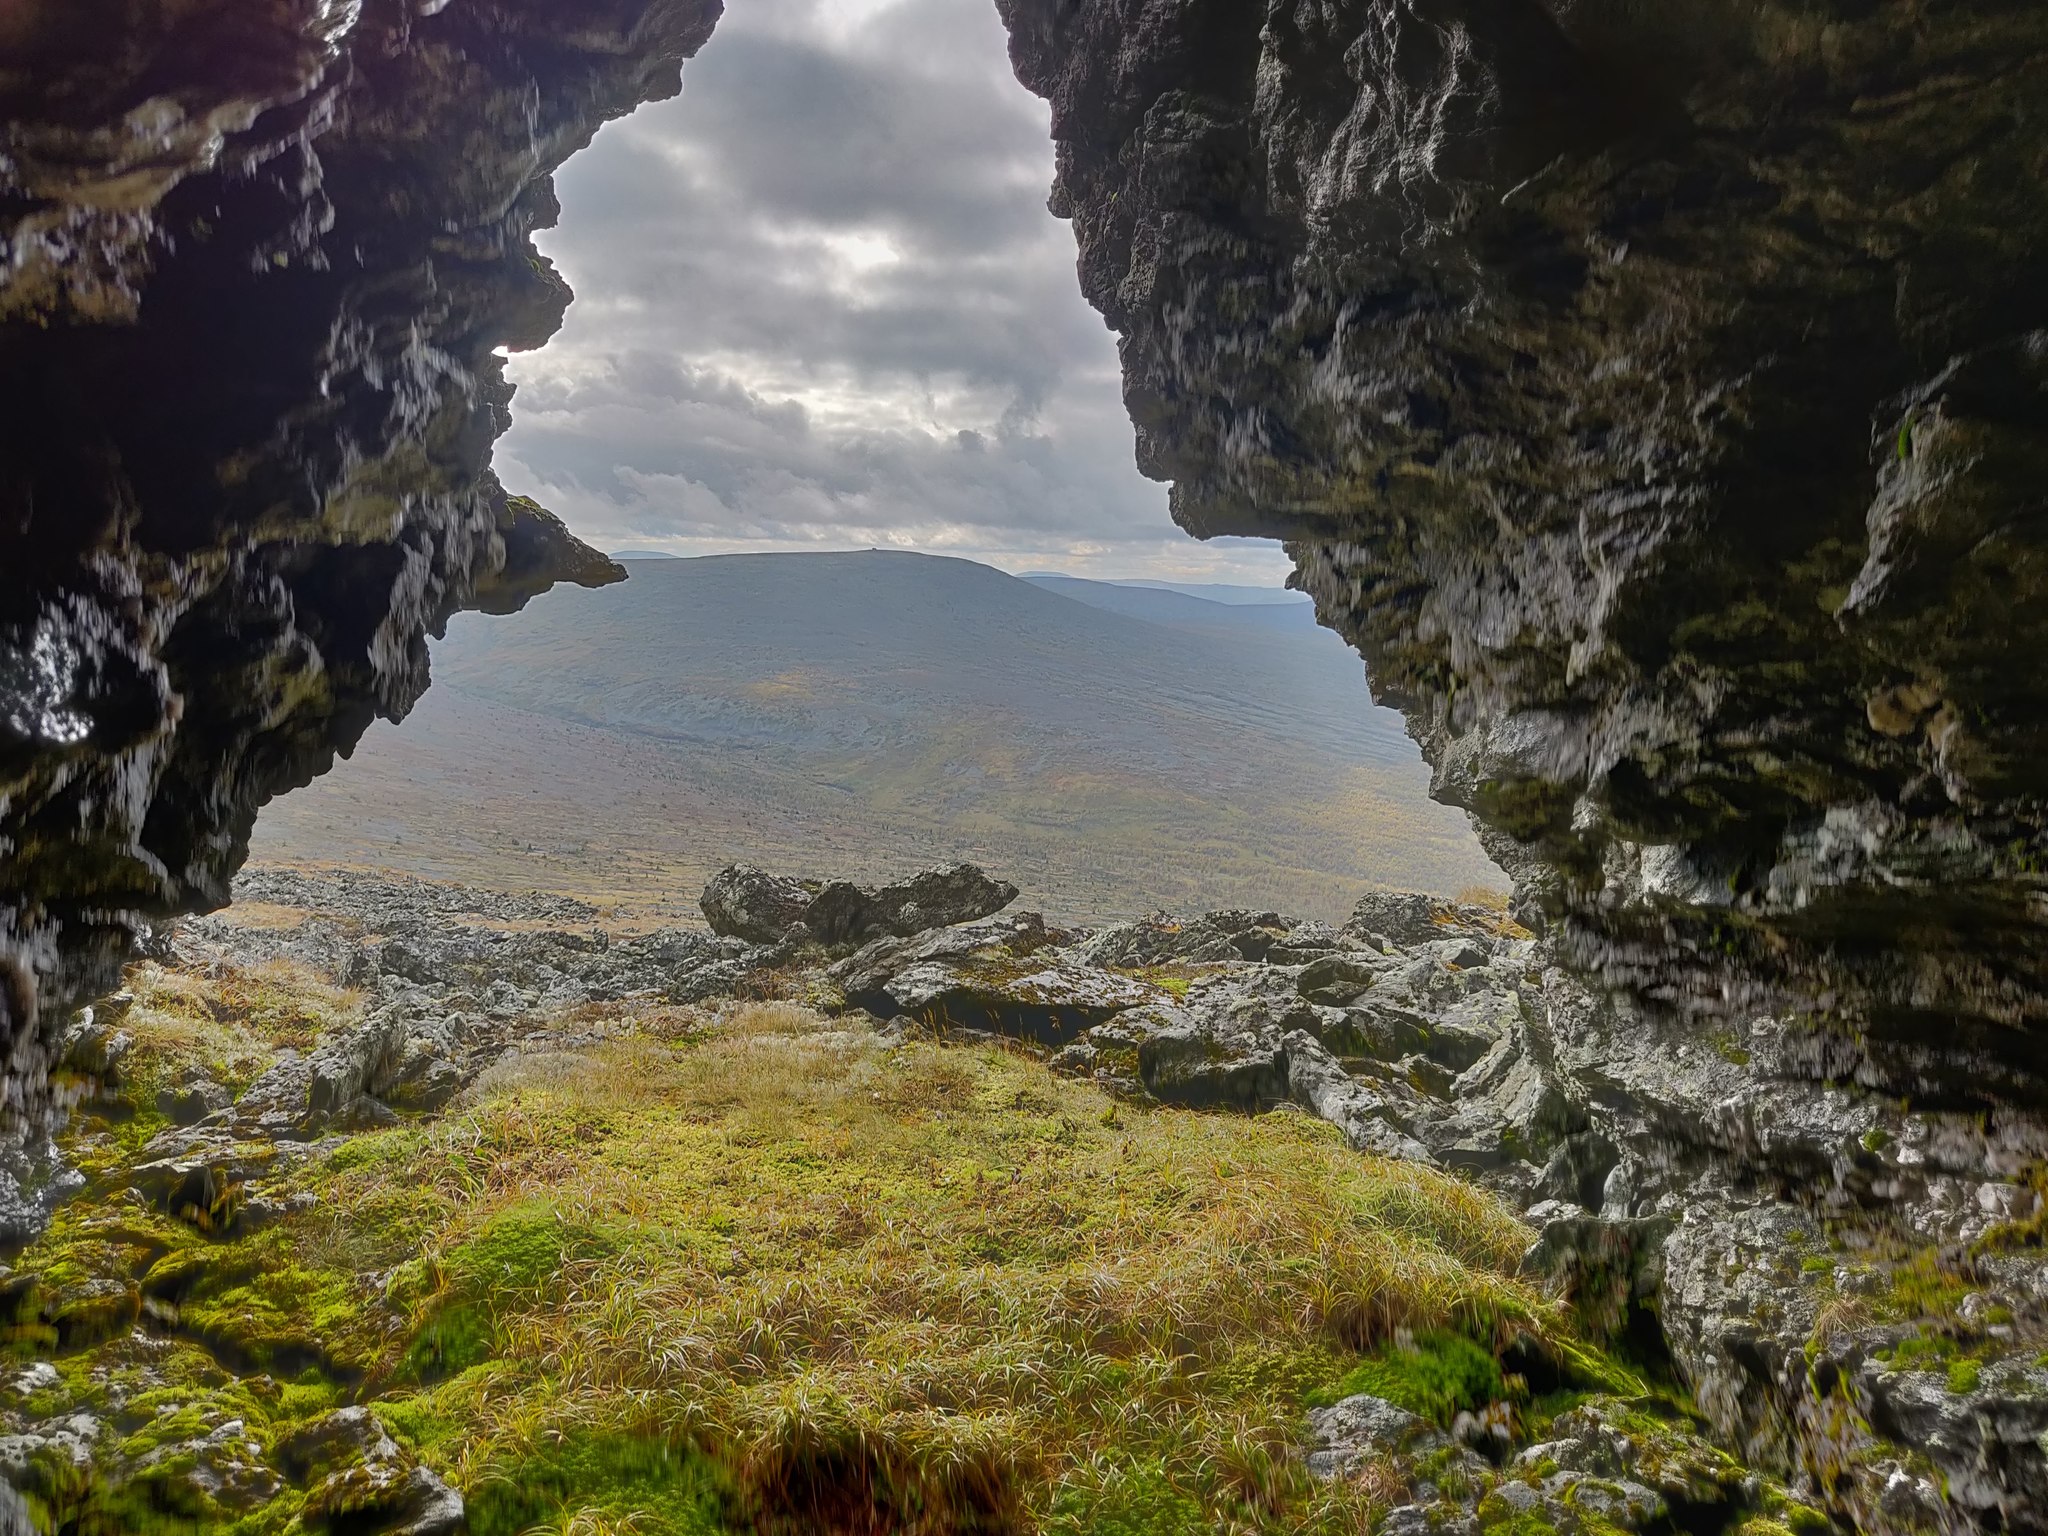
(920, 1289)
(231, 1020)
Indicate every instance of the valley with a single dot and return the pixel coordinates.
(1113, 749)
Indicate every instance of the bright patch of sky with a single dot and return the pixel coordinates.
(821, 305)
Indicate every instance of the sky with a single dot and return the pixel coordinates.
(821, 305)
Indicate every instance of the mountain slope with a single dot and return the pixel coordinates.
(1189, 608)
(863, 711)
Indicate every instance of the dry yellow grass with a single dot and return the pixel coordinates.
(976, 1295)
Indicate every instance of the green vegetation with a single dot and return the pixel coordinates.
(1434, 1376)
(747, 1273)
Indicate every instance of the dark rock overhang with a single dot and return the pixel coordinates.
(1657, 395)
(260, 261)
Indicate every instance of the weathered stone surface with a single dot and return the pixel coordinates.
(1205, 1063)
(1369, 1122)
(1017, 935)
(1408, 918)
(190, 1102)
(762, 908)
(1346, 1432)
(1049, 1005)
(258, 266)
(358, 1479)
(1658, 397)
(935, 898)
(743, 902)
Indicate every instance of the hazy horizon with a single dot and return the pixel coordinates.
(1112, 749)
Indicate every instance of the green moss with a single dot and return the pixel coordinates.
(1436, 1377)
(1729, 1050)
(519, 1252)
(1924, 1287)
(455, 1337)
(1917, 1351)
(1876, 1139)
(1128, 1501)
(1172, 980)
(664, 1490)
(1498, 1517)
(1964, 1376)
(261, 1304)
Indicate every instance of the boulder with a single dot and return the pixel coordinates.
(1406, 917)
(358, 1480)
(1347, 1432)
(1050, 1006)
(1338, 979)
(748, 903)
(1377, 1030)
(743, 902)
(937, 898)
(1318, 1083)
(93, 1046)
(1213, 1062)
(1011, 937)
(844, 913)
(192, 1099)
(838, 914)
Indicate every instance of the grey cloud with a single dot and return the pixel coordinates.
(820, 301)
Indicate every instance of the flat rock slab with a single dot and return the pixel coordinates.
(1049, 1006)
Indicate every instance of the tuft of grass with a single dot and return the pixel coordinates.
(1486, 897)
(601, 1485)
(750, 1271)
(927, 1280)
(277, 1004)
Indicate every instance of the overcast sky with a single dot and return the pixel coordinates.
(821, 305)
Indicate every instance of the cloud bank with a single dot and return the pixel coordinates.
(821, 306)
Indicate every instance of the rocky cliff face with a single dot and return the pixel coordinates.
(1658, 397)
(259, 265)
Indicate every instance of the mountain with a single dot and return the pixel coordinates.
(1224, 592)
(1109, 748)
(1184, 607)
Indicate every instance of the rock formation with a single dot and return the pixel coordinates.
(259, 266)
(748, 903)
(1699, 1204)
(1658, 397)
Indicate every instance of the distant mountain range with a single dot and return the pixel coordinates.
(1110, 747)
(1208, 591)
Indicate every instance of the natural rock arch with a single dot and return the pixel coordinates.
(1656, 396)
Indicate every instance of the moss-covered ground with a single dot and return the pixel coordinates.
(750, 1270)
